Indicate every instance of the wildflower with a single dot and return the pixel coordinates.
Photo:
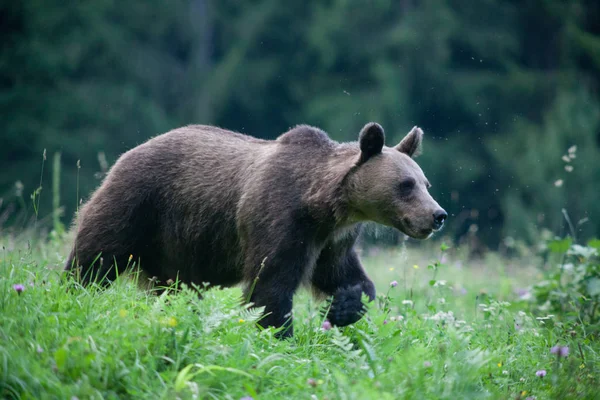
(391, 268)
(505, 372)
(130, 258)
(523, 294)
(19, 288)
(122, 313)
(499, 365)
(326, 325)
(241, 320)
(446, 317)
(311, 382)
(582, 366)
(566, 159)
(415, 266)
(541, 373)
(247, 398)
(427, 364)
(39, 350)
(531, 398)
(561, 351)
(558, 183)
(542, 319)
(407, 302)
(394, 283)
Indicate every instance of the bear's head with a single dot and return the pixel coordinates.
(388, 187)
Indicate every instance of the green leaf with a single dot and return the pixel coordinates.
(560, 246)
(595, 243)
(432, 282)
(182, 377)
(88, 359)
(60, 358)
(444, 247)
(250, 390)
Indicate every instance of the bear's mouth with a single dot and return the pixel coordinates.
(424, 234)
(408, 228)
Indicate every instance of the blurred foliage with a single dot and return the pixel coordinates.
(502, 89)
(573, 289)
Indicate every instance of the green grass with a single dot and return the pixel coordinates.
(468, 336)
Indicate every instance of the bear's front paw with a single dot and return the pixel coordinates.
(346, 307)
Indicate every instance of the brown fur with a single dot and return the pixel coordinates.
(203, 204)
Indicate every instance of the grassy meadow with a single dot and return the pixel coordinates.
(443, 327)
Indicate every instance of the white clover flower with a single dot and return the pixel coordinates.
(442, 316)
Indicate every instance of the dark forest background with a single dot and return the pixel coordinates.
(502, 89)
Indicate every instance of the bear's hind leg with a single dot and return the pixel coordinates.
(91, 265)
(116, 228)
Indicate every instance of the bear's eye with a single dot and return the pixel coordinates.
(406, 186)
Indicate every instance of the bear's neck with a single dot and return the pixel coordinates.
(328, 194)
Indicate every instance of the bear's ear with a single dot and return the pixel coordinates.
(411, 144)
(371, 140)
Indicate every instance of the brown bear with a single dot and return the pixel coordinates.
(202, 204)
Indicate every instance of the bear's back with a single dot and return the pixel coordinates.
(214, 140)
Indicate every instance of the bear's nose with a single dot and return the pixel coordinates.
(439, 217)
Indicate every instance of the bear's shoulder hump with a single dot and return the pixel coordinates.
(305, 135)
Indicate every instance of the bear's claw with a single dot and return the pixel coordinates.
(346, 307)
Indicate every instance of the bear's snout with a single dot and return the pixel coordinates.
(438, 219)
